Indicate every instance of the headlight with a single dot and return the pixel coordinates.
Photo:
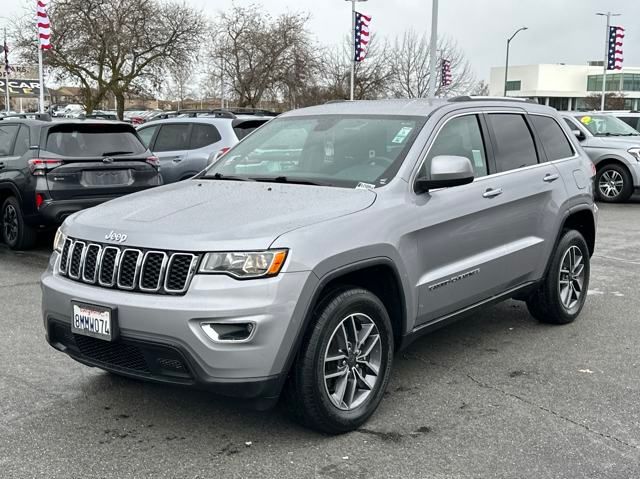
(58, 241)
(635, 152)
(244, 265)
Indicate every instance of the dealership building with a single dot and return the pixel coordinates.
(565, 87)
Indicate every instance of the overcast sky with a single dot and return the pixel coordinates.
(560, 31)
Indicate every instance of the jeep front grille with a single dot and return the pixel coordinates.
(130, 269)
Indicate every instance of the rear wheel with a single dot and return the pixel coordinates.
(614, 183)
(15, 233)
(562, 294)
(344, 366)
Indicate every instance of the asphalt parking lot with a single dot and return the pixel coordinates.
(496, 395)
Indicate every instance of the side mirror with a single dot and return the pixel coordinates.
(578, 134)
(446, 171)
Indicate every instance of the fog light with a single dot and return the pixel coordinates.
(224, 332)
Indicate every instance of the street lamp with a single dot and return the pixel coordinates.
(353, 45)
(506, 68)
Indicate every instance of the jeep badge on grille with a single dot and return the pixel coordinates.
(117, 237)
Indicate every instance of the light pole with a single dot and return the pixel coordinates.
(353, 45)
(433, 47)
(606, 55)
(506, 68)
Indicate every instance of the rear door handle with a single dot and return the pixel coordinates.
(550, 177)
(177, 159)
(1, 165)
(492, 193)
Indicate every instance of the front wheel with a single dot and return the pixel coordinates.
(563, 292)
(613, 184)
(344, 366)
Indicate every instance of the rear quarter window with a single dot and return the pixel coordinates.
(244, 128)
(87, 140)
(554, 141)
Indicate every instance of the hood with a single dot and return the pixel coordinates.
(622, 142)
(210, 215)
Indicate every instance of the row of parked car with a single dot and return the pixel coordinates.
(51, 169)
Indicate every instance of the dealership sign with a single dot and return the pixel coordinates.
(21, 88)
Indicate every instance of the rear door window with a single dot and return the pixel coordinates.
(554, 141)
(7, 137)
(146, 135)
(514, 146)
(88, 141)
(461, 136)
(204, 135)
(22, 141)
(173, 137)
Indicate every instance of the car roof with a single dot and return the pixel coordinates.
(415, 107)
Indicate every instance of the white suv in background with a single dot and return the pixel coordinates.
(184, 145)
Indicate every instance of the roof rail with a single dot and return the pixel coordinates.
(218, 112)
(489, 98)
(29, 116)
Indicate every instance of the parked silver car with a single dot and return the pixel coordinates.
(614, 148)
(306, 272)
(184, 145)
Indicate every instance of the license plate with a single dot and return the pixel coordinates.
(106, 177)
(95, 321)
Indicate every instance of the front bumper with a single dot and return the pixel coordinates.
(159, 330)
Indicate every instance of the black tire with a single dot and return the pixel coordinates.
(307, 396)
(15, 233)
(613, 170)
(546, 303)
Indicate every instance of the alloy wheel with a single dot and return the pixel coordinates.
(352, 361)
(611, 184)
(10, 224)
(571, 282)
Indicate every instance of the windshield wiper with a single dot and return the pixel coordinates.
(285, 179)
(220, 176)
(112, 153)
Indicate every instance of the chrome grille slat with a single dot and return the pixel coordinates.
(129, 269)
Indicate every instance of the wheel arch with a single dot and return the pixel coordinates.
(7, 190)
(379, 275)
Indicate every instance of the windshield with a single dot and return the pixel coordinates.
(333, 150)
(605, 125)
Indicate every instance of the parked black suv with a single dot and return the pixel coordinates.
(51, 169)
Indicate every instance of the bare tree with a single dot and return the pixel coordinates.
(117, 45)
(260, 53)
(181, 78)
(481, 89)
(410, 64)
(612, 101)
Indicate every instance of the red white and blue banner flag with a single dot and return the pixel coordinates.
(615, 57)
(44, 26)
(445, 75)
(362, 36)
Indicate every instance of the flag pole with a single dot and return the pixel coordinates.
(606, 57)
(353, 48)
(6, 76)
(40, 71)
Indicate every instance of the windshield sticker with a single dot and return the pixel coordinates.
(586, 120)
(365, 186)
(402, 134)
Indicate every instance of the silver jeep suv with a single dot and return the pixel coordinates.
(324, 242)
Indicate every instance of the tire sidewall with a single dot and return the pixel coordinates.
(627, 187)
(362, 302)
(570, 238)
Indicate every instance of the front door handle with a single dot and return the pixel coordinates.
(492, 193)
(1, 165)
(550, 177)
